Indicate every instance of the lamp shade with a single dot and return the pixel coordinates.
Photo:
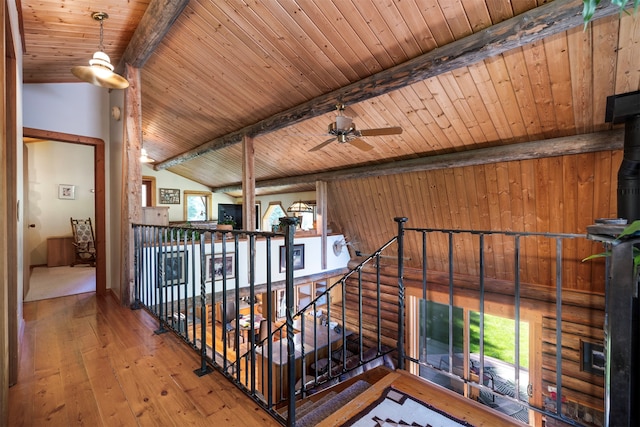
(299, 207)
(99, 72)
(144, 158)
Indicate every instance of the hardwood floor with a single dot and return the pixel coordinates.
(85, 360)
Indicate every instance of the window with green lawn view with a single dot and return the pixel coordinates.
(443, 331)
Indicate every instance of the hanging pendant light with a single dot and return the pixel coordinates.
(300, 207)
(100, 71)
(144, 157)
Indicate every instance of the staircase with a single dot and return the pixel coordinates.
(312, 410)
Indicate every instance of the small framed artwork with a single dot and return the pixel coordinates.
(172, 268)
(217, 265)
(170, 196)
(66, 191)
(298, 258)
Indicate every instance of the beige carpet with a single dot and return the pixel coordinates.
(56, 282)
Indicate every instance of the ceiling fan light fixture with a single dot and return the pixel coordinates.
(343, 123)
(100, 70)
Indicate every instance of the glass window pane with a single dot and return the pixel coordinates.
(440, 345)
(197, 208)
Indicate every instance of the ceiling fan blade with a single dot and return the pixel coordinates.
(358, 143)
(381, 131)
(319, 146)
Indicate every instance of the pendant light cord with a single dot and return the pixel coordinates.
(101, 45)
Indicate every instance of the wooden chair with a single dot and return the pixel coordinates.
(230, 317)
(83, 242)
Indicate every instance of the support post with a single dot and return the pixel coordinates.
(620, 339)
(401, 221)
(204, 369)
(290, 224)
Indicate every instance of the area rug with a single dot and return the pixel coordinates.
(395, 408)
(54, 282)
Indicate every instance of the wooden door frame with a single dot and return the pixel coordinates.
(100, 203)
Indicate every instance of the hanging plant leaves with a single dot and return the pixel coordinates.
(589, 8)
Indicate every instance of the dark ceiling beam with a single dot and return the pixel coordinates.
(536, 24)
(154, 25)
(567, 145)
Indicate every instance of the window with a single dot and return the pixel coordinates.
(272, 216)
(448, 341)
(148, 191)
(197, 205)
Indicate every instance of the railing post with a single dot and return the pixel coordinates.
(290, 229)
(204, 369)
(620, 339)
(400, 221)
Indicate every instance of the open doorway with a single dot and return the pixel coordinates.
(59, 185)
(99, 194)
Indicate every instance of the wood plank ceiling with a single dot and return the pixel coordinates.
(225, 66)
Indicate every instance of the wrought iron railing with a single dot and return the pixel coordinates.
(195, 281)
(450, 368)
(317, 343)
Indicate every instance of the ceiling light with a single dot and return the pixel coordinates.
(299, 207)
(144, 158)
(100, 71)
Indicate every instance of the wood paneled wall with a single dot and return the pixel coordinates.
(561, 194)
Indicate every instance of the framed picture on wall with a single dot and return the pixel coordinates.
(298, 257)
(170, 196)
(172, 268)
(66, 191)
(216, 264)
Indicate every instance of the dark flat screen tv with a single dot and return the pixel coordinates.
(234, 211)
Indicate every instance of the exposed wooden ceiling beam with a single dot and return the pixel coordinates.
(567, 145)
(531, 26)
(154, 25)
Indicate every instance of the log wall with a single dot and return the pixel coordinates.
(582, 320)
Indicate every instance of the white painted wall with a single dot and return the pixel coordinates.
(114, 192)
(189, 284)
(50, 164)
(286, 200)
(77, 109)
(166, 179)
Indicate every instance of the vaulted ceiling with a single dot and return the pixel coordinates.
(455, 75)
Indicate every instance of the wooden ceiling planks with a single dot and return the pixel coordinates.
(560, 81)
(226, 65)
(543, 195)
(628, 60)
(58, 37)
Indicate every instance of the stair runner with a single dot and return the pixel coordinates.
(310, 415)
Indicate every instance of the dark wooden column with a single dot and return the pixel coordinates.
(621, 328)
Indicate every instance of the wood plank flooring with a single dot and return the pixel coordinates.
(86, 360)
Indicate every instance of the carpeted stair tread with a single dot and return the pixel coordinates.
(309, 405)
(330, 406)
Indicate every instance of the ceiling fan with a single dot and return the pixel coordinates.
(344, 130)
